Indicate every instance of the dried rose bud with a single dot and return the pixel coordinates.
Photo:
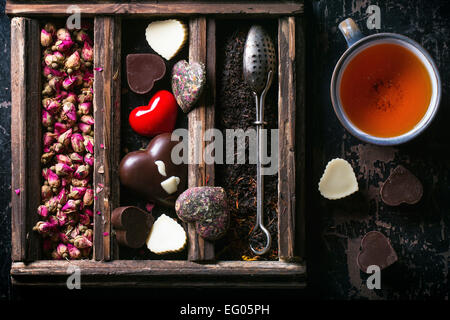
(82, 36)
(62, 169)
(47, 157)
(49, 139)
(82, 242)
(47, 90)
(66, 181)
(89, 212)
(64, 159)
(53, 179)
(46, 38)
(60, 128)
(87, 119)
(58, 57)
(48, 59)
(89, 159)
(63, 238)
(62, 197)
(71, 97)
(52, 204)
(63, 34)
(46, 192)
(85, 128)
(42, 211)
(76, 157)
(77, 192)
(87, 53)
(69, 113)
(89, 234)
(88, 197)
(74, 253)
(80, 183)
(70, 206)
(62, 217)
(62, 251)
(55, 83)
(65, 138)
(73, 61)
(44, 227)
(82, 172)
(84, 219)
(68, 82)
(47, 119)
(85, 108)
(53, 107)
(77, 142)
(88, 143)
(57, 147)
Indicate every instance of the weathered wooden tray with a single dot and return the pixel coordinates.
(104, 269)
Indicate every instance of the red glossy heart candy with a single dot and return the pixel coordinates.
(158, 117)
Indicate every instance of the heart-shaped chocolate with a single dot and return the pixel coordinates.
(151, 172)
(166, 37)
(401, 187)
(143, 70)
(188, 82)
(376, 250)
(159, 116)
(132, 226)
(207, 207)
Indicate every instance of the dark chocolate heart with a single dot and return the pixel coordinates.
(401, 187)
(207, 207)
(143, 70)
(152, 174)
(376, 250)
(132, 226)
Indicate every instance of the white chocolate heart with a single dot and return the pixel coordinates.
(166, 236)
(338, 180)
(166, 37)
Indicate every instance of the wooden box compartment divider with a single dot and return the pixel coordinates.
(200, 269)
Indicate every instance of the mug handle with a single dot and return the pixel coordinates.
(350, 31)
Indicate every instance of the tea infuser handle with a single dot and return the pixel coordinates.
(350, 31)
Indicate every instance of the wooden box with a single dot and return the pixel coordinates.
(104, 268)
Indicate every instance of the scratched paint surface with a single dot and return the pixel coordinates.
(420, 233)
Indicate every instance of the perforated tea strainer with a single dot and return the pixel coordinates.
(259, 68)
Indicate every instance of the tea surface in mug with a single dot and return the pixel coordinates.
(385, 90)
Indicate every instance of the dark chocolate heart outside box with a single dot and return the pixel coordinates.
(376, 250)
(146, 171)
(401, 187)
(132, 226)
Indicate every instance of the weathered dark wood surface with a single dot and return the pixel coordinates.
(203, 115)
(419, 234)
(107, 34)
(152, 8)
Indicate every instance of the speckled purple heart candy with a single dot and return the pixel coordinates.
(188, 81)
(207, 207)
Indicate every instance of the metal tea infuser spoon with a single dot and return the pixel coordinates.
(259, 68)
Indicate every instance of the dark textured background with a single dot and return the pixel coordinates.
(418, 233)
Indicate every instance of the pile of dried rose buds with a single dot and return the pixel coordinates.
(67, 195)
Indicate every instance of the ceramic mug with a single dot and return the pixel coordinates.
(358, 43)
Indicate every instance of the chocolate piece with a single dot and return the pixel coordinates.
(207, 207)
(401, 187)
(143, 70)
(140, 171)
(166, 236)
(188, 82)
(376, 250)
(132, 226)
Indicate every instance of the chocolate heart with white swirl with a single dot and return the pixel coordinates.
(188, 82)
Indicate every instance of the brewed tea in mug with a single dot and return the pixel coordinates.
(385, 90)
